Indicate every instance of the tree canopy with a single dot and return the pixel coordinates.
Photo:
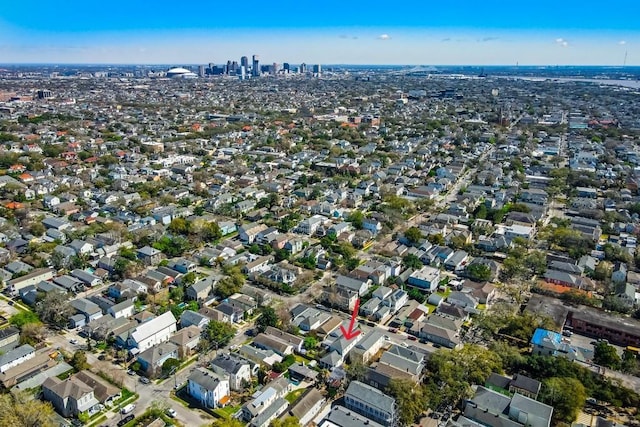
(566, 395)
(220, 332)
(412, 400)
(606, 355)
(268, 317)
(21, 410)
(54, 309)
(413, 235)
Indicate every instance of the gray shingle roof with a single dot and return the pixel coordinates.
(371, 396)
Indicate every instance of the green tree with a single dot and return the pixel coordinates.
(453, 372)
(220, 332)
(226, 287)
(411, 399)
(268, 317)
(536, 262)
(413, 235)
(32, 334)
(79, 361)
(356, 218)
(310, 343)
(606, 355)
(479, 272)
(22, 318)
(211, 232)
(356, 371)
(169, 366)
(22, 410)
(566, 395)
(412, 261)
(179, 226)
(37, 229)
(436, 239)
(54, 309)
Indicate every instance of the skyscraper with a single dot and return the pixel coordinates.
(201, 70)
(244, 62)
(255, 67)
(286, 67)
(303, 68)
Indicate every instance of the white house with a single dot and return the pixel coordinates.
(152, 332)
(123, 309)
(208, 389)
(237, 369)
(13, 358)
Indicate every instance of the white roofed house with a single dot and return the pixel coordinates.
(208, 388)
(151, 332)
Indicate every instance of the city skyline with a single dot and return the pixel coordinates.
(571, 33)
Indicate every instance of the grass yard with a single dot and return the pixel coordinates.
(294, 395)
(226, 412)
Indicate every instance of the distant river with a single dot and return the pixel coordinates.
(635, 84)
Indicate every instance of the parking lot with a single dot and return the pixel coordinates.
(586, 343)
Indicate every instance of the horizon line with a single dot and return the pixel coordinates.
(317, 63)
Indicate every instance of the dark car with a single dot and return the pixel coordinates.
(125, 420)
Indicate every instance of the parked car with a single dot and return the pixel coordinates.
(412, 338)
(73, 341)
(128, 408)
(144, 380)
(131, 372)
(125, 420)
(171, 413)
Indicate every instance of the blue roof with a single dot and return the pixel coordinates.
(541, 336)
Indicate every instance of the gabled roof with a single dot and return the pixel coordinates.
(16, 353)
(372, 397)
(205, 379)
(159, 352)
(147, 329)
(71, 387)
(230, 363)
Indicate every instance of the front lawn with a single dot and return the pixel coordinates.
(294, 395)
(226, 412)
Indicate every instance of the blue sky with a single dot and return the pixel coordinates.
(367, 32)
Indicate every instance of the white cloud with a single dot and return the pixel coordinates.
(562, 42)
(622, 42)
(384, 37)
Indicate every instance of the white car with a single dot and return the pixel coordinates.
(171, 412)
(73, 341)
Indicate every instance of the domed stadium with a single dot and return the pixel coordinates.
(181, 73)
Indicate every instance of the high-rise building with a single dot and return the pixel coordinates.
(317, 69)
(286, 67)
(201, 70)
(244, 62)
(255, 66)
(303, 68)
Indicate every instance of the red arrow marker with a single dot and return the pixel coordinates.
(349, 334)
